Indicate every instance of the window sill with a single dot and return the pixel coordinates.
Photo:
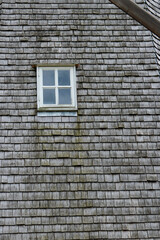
(57, 114)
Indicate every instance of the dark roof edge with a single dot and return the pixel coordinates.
(139, 14)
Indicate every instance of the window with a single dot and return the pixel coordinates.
(56, 88)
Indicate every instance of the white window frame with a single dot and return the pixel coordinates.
(56, 107)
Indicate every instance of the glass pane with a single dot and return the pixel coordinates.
(64, 96)
(48, 78)
(49, 96)
(64, 77)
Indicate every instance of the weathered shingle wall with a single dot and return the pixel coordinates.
(94, 176)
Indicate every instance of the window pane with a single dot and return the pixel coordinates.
(64, 77)
(64, 96)
(49, 96)
(48, 78)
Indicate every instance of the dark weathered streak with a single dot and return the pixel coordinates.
(139, 14)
